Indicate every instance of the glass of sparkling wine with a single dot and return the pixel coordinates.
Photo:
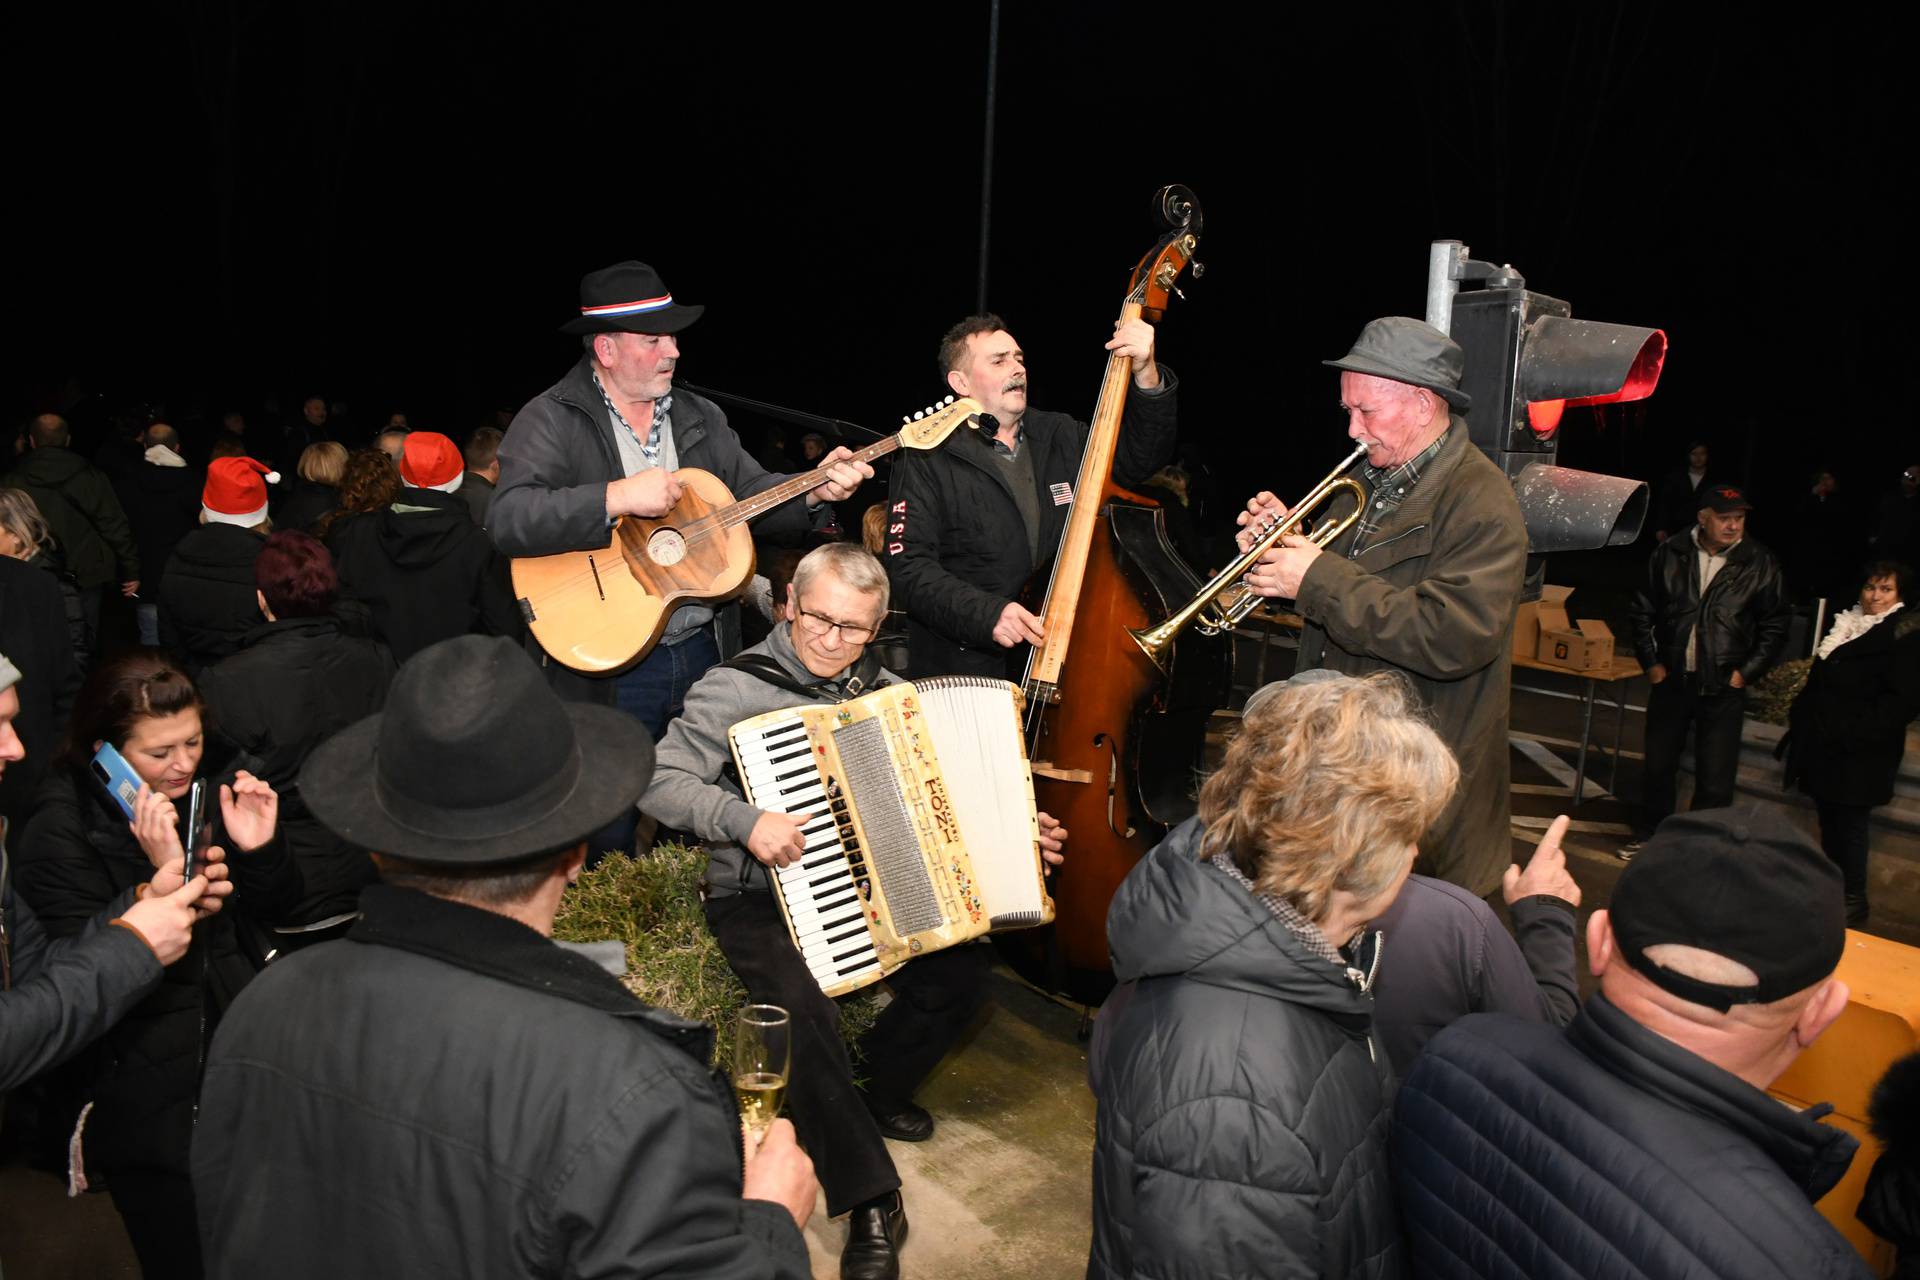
(762, 1056)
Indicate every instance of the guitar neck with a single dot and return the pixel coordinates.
(787, 490)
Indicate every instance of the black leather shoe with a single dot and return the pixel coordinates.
(875, 1232)
(901, 1121)
(1856, 916)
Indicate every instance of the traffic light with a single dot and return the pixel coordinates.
(1527, 360)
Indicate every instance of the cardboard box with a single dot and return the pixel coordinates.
(1526, 621)
(1585, 645)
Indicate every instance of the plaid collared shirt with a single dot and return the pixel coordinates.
(1008, 450)
(662, 413)
(1388, 487)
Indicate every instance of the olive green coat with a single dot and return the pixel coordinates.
(1433, 597)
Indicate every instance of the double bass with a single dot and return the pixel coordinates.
(1115, 741)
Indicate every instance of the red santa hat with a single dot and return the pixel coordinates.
(431, 461)
(236, 491)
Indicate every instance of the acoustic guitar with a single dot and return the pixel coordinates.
(603, 610)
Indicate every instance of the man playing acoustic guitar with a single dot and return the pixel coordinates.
(604, 442)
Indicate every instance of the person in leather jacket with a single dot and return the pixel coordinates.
(1709, 621)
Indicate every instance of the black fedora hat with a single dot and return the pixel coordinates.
(1402, 349)
(628, 297)
(476, 761)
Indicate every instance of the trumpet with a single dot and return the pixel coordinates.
(1226, 601)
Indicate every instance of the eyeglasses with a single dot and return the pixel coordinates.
(849, 632)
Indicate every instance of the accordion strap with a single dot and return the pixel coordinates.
(861, 680)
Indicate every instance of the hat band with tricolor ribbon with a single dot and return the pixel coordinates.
(630, 308)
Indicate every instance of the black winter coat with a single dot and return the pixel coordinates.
(427, 573)
(1847, 730)
(207, 601)
(1524, 1152)
(61, 995)
(1743, 619)
(1444, 954)
(162, 506)
(80, 637)
(32, 633)
(448, 1094)
(304, 504)
(295, 683)
(957, 549)
(1243, 1108)
(87, 519)
(75, 857)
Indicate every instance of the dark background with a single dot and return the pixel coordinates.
(390, 205)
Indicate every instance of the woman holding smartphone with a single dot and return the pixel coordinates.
(81, 849)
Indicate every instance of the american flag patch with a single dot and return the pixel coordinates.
(1062, 494)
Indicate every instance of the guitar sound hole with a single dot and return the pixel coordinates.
(666, 546)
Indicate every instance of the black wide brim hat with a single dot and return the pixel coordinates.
(629, 297)
(1402, 349)
(475, 761)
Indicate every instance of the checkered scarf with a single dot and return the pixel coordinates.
(662, 408)
(1298, 925)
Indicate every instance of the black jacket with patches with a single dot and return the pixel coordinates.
(426, 571)
(957, 549)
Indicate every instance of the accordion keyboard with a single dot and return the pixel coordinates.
(826, 910)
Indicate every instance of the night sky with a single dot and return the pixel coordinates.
(391, 204)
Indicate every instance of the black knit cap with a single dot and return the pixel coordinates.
(1741, 883)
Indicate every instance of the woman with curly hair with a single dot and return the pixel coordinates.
(368, 483)
(1243, 1103)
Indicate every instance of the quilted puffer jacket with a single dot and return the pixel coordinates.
(1243, 1106)
(1524, 1152)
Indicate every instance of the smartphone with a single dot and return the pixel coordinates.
(117, 776)
(194, 838)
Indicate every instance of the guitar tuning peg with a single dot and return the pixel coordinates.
(947, 401)
(928, 409)
(920, 415)
(904, 418)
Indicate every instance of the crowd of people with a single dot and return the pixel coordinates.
(323, 1029)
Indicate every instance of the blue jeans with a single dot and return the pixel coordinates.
(148, 617)
(652, 692)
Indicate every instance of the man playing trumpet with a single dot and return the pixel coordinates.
(1425, 581)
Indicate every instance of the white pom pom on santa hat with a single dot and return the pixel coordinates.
(236, 491)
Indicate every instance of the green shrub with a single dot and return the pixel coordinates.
(652, 905)
(1773, 694)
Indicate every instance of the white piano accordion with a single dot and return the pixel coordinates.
(926, 835)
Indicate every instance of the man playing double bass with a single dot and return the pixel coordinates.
(968, 524)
